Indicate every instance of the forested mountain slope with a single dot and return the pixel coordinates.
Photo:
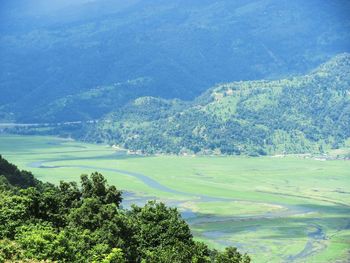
(93, 103)
(53, 51)
(300, 114)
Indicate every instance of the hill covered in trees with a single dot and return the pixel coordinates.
(54, 52)
(86, 223)
(309, 113)
(301, 114)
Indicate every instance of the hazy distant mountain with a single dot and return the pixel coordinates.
(54, 51)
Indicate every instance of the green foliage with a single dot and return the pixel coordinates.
(231, 255)
(302, 114)
(160, 226)
(116, 255)
(298, 115)
(96, 188)
(16, 177)
(14, 210)
(9, 250)
(183, 47)
(37, 241)
(67, 223)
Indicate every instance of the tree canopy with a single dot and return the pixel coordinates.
(86, 223)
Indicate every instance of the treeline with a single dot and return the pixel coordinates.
(86, 223)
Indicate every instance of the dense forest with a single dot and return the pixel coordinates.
(87, 223)
(137, 74)
(301, 114)
(78, 60)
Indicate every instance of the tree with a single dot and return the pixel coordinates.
(116, 256)
(160, 226)
(16, 177)
(231, 255)
(37, 241)
(96, 186)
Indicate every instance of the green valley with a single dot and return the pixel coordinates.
(184, 131)
(275, 208)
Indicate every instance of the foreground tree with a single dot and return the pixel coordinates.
(67, 223)
(231, 255)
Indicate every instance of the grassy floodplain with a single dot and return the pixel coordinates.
(278, 209)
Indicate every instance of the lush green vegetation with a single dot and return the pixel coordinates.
(16, 177)
(53, 53)
(297, 115)
(259, 162)
(277, 209)
(68, 223)
(306, 114)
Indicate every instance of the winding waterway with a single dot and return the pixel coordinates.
(314, 237)
(315, 234)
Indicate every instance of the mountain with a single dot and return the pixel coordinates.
(54, 53)
(92, 104)
(308, 113)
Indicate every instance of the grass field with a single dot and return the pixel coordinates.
(277, 209)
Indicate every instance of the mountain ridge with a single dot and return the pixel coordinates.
(184, 47)
(301, 114)
(308, 113)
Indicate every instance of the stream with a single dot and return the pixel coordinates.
(314, 237)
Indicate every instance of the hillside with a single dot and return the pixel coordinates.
(92, 104)
(309, 113)
(53, 53)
